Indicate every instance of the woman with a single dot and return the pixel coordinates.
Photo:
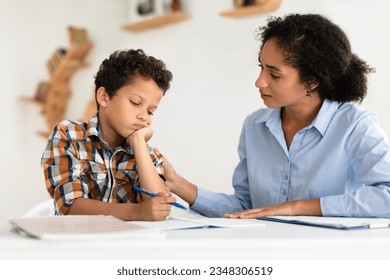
(311, 152)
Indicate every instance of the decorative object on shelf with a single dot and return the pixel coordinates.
(175, 5)
(145, 7)
(42, 90)
(243, 3)
(259, 6)
(157, 21)
(53, 95)
(40, 93)
(55, 59)
(164, 12)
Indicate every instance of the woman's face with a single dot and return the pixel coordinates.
(279, 84)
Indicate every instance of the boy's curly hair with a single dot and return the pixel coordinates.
(123, 66)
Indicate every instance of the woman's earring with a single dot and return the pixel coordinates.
(310, 87)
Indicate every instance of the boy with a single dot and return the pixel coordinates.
(91, 168)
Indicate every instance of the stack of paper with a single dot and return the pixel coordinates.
(174, 223)
(80, 228)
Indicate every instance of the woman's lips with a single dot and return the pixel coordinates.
(263, 95)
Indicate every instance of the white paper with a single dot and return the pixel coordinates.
(83, 227)
(175, 223)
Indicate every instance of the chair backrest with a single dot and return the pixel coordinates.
(45, 208)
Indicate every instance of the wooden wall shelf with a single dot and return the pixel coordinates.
(269, 6)
(53, 95)
(157, 21)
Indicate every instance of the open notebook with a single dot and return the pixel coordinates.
(176, 223)
(80, 228)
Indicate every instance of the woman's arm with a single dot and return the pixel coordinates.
(178, 184)
(210, 204)
(308, 207)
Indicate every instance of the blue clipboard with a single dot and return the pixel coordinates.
(343, 223)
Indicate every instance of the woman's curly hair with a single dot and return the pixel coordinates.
(321, 52)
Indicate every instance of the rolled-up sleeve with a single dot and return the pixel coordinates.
(62, 170)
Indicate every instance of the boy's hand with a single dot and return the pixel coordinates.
(155, 208)
(144, 134)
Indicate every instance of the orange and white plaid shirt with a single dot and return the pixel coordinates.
(77, 162)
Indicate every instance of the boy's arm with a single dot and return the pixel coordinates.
(62, 168)
(147, 173)
(151, 209)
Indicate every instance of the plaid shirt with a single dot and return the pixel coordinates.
(77, 162)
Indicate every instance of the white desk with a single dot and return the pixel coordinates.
(275, 241)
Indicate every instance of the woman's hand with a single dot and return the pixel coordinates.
(309, 207)
(170, 175)
(284, 209)
(178, 184)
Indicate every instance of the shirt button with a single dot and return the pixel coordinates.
(284, 193)
(285, 177)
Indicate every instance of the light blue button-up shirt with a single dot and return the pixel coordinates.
(343, 157)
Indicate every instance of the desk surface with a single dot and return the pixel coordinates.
(274, 241)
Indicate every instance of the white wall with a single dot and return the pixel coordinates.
(214, 62)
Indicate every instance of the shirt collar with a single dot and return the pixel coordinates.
(93, 127)
(328, 108)
(268, 116)
(325, 115)
(93, 131)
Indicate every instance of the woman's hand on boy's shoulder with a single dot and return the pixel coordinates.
(169, 174)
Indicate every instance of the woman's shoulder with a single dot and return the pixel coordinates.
(353, 118)
(260, 115)
(354, 112)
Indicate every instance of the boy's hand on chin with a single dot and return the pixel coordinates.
(144, 133)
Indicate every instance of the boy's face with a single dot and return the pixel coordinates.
(130, 109)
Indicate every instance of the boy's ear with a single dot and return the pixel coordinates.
(102, 97)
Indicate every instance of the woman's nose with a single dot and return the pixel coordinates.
(261, 82)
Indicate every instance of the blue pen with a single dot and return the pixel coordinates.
(138, 189)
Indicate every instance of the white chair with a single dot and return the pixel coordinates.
(45, 208)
